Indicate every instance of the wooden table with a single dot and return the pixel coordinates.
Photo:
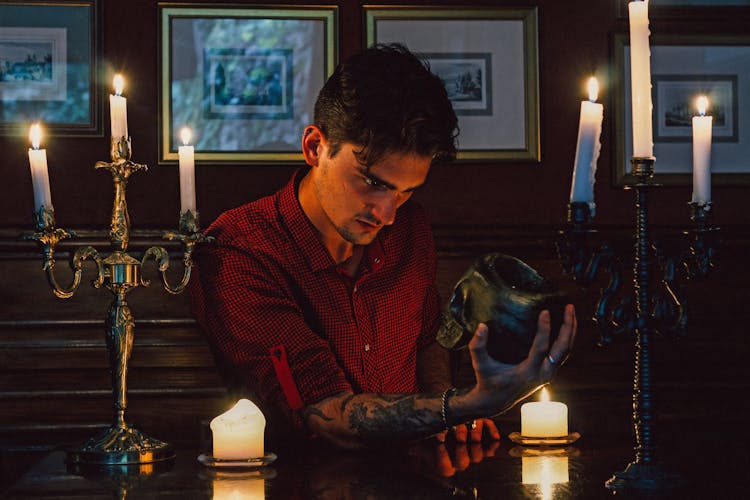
(712, 468)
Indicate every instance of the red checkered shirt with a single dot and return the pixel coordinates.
(268, 283)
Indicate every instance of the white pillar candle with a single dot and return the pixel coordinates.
(544, 470)
(702, 127)
(118, 110)
(545, 418)
(640, 80)
(39, 173)
(187, 173)
(588, 146)
(239, 433)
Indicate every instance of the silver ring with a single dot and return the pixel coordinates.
(473, 425)
(551, 359)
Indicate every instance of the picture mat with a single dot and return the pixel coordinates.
(505, 128)
(17, 45)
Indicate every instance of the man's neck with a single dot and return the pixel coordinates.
(342, 252)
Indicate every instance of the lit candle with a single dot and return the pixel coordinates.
(187, 173)
(118, 111)
(587, 150)
(39, 173)
(702, 126)
(238, 433)
(640, 80)
(544, 418)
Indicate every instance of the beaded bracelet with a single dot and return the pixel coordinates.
(444, 405)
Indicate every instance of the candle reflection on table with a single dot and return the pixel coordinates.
(544, 471)
(242, 488)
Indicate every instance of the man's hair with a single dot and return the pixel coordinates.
(386, 100)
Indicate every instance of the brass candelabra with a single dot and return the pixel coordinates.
(644, 312)
(118, 272)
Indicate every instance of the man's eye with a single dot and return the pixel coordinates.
(375, 184)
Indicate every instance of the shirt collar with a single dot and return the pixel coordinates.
(306, 236)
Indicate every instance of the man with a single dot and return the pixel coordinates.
(321, 301)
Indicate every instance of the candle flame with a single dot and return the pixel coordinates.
(593, 89)
(702, 104)
(35, 135)
(119, 83)
(544, 396)
(185, 135)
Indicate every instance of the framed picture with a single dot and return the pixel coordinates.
(487, 58)
(243, 79)
(49, 56)
(682, 69)
(688, 8)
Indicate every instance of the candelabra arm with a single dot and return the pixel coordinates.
(47, 236)
(606, 321)
(189, 235)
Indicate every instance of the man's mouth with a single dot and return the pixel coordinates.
(369, 225)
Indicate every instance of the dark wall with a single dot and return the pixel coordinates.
(52, 352)
(574, 42)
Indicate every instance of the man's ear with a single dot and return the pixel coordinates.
(313, 141)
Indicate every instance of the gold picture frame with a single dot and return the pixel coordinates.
(476, 51)
(243, 78)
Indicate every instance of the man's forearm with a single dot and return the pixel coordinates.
(354, 420)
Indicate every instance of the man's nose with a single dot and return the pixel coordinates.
(385, 209)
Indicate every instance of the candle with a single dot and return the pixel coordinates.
(640, 80)
(238, 433)
(39, 173)
(588, 147)
(187, 173)
(118, 111)
(702, 126)
(544, 418)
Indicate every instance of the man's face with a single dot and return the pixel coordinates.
(358, 201)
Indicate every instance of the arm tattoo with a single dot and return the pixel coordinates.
(312, 410)
(394, 417)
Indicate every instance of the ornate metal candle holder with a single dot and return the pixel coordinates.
(119, 273)
(650, 308)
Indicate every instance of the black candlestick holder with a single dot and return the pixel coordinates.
(647, 310)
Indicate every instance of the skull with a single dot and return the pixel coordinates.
(507, 295)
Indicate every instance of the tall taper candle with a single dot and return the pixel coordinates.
(39, 173)
(118, 110)
(187, 173)
(702, 128)
(588, 147)
(640, 80)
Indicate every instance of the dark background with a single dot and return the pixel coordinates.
(574, 42)
(54, 386)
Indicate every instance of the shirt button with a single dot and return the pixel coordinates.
(367, 347)
(356, 288)
(377, 260)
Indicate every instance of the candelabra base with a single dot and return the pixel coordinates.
(638, 476)
(121, 445)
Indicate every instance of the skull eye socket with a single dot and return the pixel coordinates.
(460, 303)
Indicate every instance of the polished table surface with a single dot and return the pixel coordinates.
(710, 468)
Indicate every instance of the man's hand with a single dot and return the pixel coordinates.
(499, 385)
(473, 431)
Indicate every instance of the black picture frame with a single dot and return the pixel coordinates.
(50, 53)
